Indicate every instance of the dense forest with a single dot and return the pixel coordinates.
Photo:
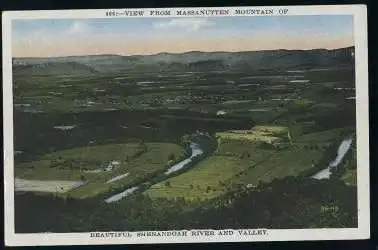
(293, 203)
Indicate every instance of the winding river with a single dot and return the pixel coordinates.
(341, 152)
(121, 195)
(196, 151)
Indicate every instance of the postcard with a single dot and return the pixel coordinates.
(185, 125)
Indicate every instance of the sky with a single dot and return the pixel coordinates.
(144, 36)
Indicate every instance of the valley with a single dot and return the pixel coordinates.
(170, 135)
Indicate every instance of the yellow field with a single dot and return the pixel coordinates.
(269, 134)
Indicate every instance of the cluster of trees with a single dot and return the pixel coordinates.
(328, 155)
(348, 162)
(267, 146)
(286, 203)
(73, 163)
(142, 148)
(242, 155)
(337, 119)
(314, 146)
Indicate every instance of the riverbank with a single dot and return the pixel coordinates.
(343, 148)
(196, 151)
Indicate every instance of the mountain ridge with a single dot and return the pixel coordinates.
(201, 61)
(183, 53)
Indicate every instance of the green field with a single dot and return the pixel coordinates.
(74, 164)
(211, 177)
(243, 158)
(282, 164)
(324, 136)
(222, 172)
(204, 181)
(214, 175)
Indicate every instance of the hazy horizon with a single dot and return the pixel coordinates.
(151, 36)
(185, 52)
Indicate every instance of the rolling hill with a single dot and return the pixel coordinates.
(190, 61)
(47, 67)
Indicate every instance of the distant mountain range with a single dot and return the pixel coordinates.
(51, 67)
(189, 61)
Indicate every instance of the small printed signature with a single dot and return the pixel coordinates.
(329, 208)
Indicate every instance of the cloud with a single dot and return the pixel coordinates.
(78, 28)
(51, 33)
(185, 24)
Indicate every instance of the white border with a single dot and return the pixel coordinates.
(362, 103)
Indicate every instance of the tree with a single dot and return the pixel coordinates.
(142, 144)
(82, 178)
(171, 157)
(167, 183)
(53, 163)
(185, 138)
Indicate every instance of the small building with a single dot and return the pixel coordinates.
(221, 112)
(251, 185)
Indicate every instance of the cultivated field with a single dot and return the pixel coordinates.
(46, 186)
(105, 137)
(246, 158)
(96, 165)
(268, 134)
